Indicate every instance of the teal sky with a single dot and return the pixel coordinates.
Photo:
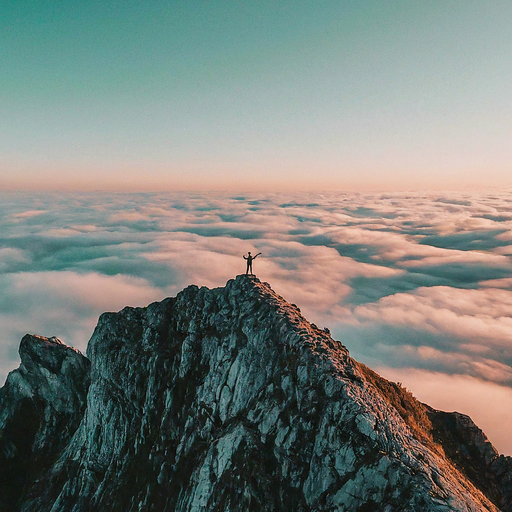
(260, 95)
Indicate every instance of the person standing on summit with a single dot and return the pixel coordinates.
(249, 259)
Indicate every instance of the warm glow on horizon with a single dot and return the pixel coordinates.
(134, 179)
(351, 96)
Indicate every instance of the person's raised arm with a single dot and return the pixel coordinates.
(256, 255)
(244, 257)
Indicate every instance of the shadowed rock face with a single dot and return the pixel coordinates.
(470, 450)
(41, 406)
(221, 400)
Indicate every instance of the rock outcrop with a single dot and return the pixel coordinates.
(228, 400)
(41, 406)
(469, 449)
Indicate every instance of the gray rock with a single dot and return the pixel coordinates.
(226, 400)
(41, 406)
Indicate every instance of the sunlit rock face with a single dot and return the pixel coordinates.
(223, 400)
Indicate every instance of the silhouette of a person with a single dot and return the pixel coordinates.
(249, 259)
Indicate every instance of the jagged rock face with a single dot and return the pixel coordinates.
(469, 449)
(229, 400)
(41, 406)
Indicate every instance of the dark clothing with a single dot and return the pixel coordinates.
(249, 265)
(249, 259)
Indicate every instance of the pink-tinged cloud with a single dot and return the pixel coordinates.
(497, 283)
(506, 251)
(484, 315)
(407, 251)
(447, 256)
(505, 236)
(450, 358)
(65, 304)
(88, 290)
(29, 213)
(129, 216)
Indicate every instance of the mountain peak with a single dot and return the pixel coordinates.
(41, 352)
(229, 399)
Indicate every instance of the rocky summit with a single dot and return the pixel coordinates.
(229, 400)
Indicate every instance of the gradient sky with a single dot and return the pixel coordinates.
(214, 95)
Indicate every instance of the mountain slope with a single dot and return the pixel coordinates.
(229, 400)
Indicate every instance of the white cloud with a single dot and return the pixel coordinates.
(10, 256)
(64, 304)
(29, 213)
(483, 315)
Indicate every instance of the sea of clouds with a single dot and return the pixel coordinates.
(416, 285)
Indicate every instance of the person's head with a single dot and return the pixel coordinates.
(249, 253)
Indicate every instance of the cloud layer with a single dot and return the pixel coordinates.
(421, 281)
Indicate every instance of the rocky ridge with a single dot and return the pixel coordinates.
(229, 400)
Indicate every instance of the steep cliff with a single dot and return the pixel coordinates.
(226, 400)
